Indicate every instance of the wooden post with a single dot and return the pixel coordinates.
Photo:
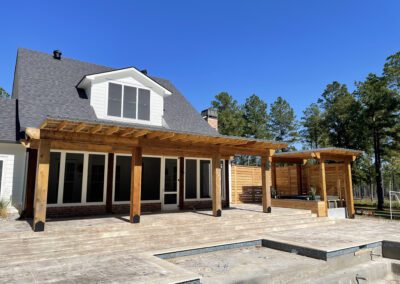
(136, 185)
(216, 185)
(42, 184)
(322, 184)
(266, 189)
(349, 189)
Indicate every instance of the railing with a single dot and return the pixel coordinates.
(395, 194)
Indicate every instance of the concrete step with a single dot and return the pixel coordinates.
(139, 229)
(93, 246)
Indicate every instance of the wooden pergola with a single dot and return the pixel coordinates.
(62, 134)
(322, 155)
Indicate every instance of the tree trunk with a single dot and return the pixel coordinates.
(377, 152)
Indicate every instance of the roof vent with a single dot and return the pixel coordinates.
(57, 54)
(144, 71)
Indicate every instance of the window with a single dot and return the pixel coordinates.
(197, 179)
(191, 179)
(144, 104)
(1, 172)
(122, 190)
(151, 170)
(73, 178)
(128, 102)
(54, 175)
(205, 179)
(76, 178)
(114, 99)
(95, 183)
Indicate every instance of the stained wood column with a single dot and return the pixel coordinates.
(349, 189)
(216, 185)
(266, 190)
(136, 185)
(322, 184)
(42, 183)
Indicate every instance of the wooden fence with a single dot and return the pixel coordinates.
(246, 181)
(246, 184)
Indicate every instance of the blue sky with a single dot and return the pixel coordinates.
(271, 48)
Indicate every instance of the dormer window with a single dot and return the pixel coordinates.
(128, 102)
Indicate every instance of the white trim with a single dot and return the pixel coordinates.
(163, 192)
(61, 178)
(2, 159)
(92, 77)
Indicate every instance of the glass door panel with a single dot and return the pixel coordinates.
(170, 184)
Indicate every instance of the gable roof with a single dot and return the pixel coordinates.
(128, 70)
(8, 128)
(46, 88)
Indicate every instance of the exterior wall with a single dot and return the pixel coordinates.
(13, 177)
(246, 184)
(99, 101)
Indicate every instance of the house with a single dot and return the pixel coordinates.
(103, 140)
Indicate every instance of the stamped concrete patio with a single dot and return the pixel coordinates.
(110, 249)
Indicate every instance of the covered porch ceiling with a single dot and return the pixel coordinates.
(109, 137)
(326, 154)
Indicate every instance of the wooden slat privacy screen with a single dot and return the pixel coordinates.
(246, 181)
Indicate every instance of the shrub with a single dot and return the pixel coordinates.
(3, 208)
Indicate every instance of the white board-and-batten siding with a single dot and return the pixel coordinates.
(13, 173)
(99, 101)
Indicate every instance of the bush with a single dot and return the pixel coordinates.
(373, 203)
(3, 208)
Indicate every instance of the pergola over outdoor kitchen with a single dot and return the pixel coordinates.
(322, 155)
(101, 136)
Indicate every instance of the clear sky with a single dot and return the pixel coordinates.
(271, 48)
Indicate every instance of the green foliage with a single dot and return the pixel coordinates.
(230, 115)
(391, 71)
(283, 124)
(3, 93)
(313, 134)
(256, 118)
(341, 116)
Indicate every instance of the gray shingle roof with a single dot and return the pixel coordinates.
(7, 120)
(46, 87)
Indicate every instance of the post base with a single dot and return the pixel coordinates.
(38, 227)
(135, 219)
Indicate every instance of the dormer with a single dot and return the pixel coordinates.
(125, 95)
